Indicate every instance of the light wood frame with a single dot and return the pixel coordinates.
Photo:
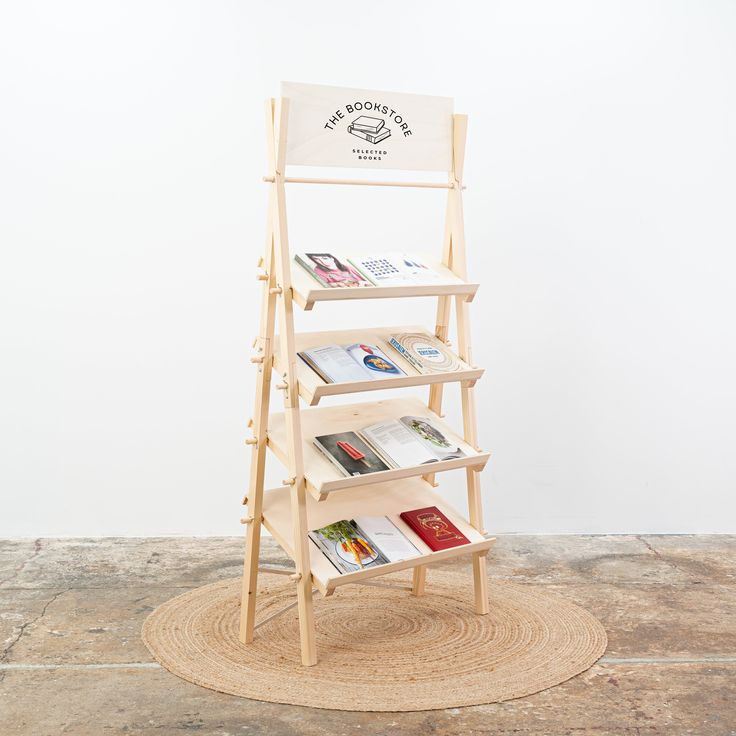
(305, 499)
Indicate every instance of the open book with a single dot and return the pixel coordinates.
(395, 443)
(366, 541)
(356, 362)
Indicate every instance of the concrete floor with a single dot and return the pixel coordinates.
(72, 661)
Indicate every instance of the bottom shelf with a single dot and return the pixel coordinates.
(385, 499)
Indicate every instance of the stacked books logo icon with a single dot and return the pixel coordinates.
(369, 129)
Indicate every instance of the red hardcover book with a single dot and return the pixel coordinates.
(434, 528)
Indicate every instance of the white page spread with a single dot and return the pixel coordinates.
(398, 444)
(394, 545)
(337, 364)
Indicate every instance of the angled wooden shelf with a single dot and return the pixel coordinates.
(321, 475)
(306, 291)
(387, 499)
(312, 388)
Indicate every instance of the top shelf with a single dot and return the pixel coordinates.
(306, 291)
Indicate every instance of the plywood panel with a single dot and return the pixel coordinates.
(359, 128)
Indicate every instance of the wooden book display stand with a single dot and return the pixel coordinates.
(328, 126)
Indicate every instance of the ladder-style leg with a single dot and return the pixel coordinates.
(470, 432)
(475, 507)
(263, 359)
(250, 581)
(297, 482)
(480, 576)
(287, 346)
(304, 575)
(442, 323)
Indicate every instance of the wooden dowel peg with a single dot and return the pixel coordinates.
(262, 277)
(288, 481)
(247, 520)
(250, 423)
(275, 290)
(257, 359)
(296, 577)
(245, 500)
(251, 441)
(260, 262)
(282, 386)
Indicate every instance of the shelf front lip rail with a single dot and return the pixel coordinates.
(356, 387)
(327, 587)
(308, 299)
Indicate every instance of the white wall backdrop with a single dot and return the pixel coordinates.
(600, 221)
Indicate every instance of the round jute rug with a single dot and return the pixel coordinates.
(379, 649)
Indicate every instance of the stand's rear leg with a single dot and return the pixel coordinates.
(419, 580)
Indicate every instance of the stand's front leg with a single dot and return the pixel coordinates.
(250, 577)
(480, 579)
(304, 577)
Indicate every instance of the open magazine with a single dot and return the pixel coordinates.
(395, 269)
(394, 443)
(426, 353)
(356, 362)
(366, 541)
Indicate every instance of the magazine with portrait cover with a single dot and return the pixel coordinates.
(332, 272)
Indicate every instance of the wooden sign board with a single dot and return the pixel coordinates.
(359, 128)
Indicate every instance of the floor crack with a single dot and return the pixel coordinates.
(659, 556)
(19, 569)
(649, 546)
(22, 628)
